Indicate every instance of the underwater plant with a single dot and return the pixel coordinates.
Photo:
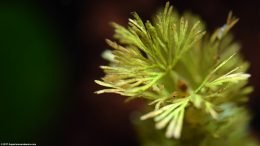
(194, 82)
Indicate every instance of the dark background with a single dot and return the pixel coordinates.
(50, 53)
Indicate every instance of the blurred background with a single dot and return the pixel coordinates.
(50, 56)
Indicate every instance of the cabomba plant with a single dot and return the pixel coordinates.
(194, 81)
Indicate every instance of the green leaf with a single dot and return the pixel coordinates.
(170, 116)
(230, 78)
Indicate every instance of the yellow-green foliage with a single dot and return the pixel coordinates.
(195, 81)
